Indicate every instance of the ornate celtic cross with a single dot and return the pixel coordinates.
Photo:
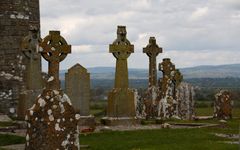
(152, 50)
(54, 49)
(121, 50)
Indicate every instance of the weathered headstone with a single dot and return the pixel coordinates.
(33, 72)
(167, 104)
(223, 105)
(150, 99)
(77, 86)
(121, 106)
(185, 98)
(52, 122)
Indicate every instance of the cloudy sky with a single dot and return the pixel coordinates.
(191, 32)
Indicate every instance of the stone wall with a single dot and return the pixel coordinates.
(16, 16)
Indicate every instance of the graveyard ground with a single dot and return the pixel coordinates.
(164, 139)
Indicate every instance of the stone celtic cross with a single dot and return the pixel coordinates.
(121, 50)
(30, 43)
(152, 50)
(29, 47)
(54, 49)
(167, 67)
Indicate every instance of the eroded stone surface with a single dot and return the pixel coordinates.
(186, 105)
(52, 123)
(167, 105)
(223, 105)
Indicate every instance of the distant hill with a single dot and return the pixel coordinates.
(220, 71)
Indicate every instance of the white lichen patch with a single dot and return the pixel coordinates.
(65, 98)
(51, 118)
(50, 79)
(77, 116)
(41, 102)
(57, 127)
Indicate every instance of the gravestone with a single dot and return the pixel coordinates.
(185, 98)
(223, 105)
(33, 72)
(52, 121)
(121, 106)
(167, 104)
(77, 86)
(151, 98)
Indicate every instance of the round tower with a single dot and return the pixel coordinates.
(16, 18)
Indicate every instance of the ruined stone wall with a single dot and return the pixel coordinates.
(15, 18)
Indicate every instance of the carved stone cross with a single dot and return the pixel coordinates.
(152, 50)
(121, 50)
(54, 49)
(29, 48)
(167, 67)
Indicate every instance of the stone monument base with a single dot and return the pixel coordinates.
(114, 121)
(87, 121)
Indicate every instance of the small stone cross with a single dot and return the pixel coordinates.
(167, 67)
(54, 49)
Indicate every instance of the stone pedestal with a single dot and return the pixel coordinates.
(87, 121)
(121, 103)
(115, 121)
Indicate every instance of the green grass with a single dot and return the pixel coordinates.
(164, 139)
(160, 139)
(6, 139)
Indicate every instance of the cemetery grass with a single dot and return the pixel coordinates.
(164, 139)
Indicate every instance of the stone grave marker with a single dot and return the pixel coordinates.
(52, 121)
(167, 104)
(121, 106)
(33, 76)
(150, 99)
(185, 98)
(223, 105)
(77, 86)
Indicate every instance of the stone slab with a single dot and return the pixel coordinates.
(113, 121)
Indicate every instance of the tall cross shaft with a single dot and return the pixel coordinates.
(54, 49)
(121, 50)
(152, 50)
(29, 47)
